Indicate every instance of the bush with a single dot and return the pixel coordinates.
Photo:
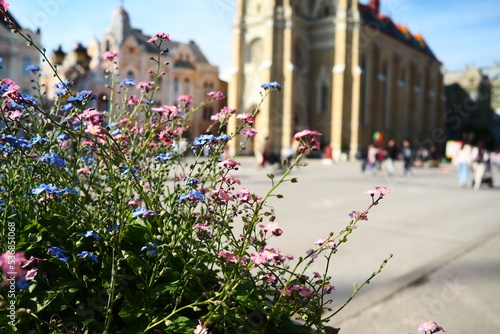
(108, 228)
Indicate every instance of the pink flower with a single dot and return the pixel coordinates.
(308, 140)
(216, 96)
(146, 85)
(328, 288)
(258, 258)
(3, 6)
(134, 202)
(383, 190)
(199, 227)
(84, 171)
(273, 228)
(170, 112)
(244, 195)
(223, 115)
(200, 328)
(167, 137)
(186, 100)
(229, 257)
(159, 36)
(247, 118)
(229, 164)
(13, 263)
(431, 327)
(359, 215)
(94, 129)
(15, 114)
(133, 100)
(109, 55)
(249, 132)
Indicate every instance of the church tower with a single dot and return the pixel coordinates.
(347, 71)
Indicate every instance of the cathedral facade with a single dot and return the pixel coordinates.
(346, 70)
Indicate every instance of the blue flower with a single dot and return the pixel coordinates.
(52, 158)
(271, 86)
(127, 82)
(2, 205)
(149, 248)
(163, 157)
(27, 100)
(22, 284)
(92, 234)
(143, 213)
(193, 196)
(33, 68)
(62, 137)
(193, 182)
(67, 107)
(59, 253)
(83, 96)
(133, 171)
(62, 88)
(70, 190)
(115, 227)
(37, 140)
(116, 132)
(88, 255)
(222, 138)
(47, 188)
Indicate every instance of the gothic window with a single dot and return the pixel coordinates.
(363, 93)
(385, 96)
(298, 58)
(108, 45)
(255, 49)
(130, 75)
(176, 86)
(187, 86)
(208, 87)
(324, 98)
(208, 111)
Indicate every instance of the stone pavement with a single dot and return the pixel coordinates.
(445, 241)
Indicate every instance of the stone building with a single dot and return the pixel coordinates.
(473, 104)
(188, 71)
(17, 55)
(347, 71)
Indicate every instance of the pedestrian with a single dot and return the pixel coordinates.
(392, 156)
(407, 153)
(462, 159)
(480, 158)
(371, 158)
(264, 153)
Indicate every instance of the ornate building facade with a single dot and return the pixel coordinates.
(347, 71)
(17, 55)
(188, 71)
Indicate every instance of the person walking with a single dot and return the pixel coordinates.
(371, 158)
(407, 153)
(392, 156)
(480, 158)
(462, 159)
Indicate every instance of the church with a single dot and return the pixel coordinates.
(346, 70)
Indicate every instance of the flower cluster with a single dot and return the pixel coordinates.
(130, 231)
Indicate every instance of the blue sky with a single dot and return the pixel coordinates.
(458, 31)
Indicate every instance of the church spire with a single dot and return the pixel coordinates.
(120, 24)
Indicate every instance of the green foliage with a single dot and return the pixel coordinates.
(128, 235)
